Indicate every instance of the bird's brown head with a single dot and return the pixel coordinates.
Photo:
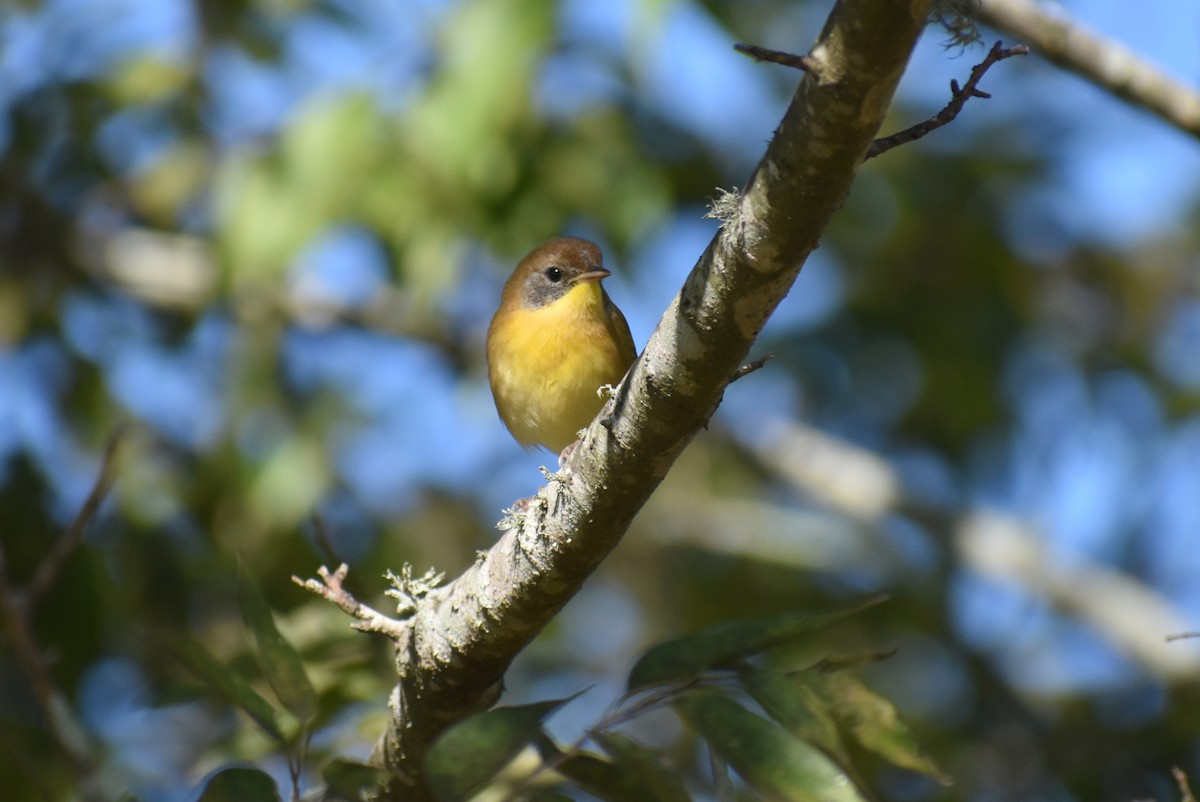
(552, 270)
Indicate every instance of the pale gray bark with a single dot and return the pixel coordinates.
(1104, 62)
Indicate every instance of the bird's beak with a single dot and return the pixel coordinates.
(594, 275)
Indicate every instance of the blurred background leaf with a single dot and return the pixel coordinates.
(770, 760)
(469, 754)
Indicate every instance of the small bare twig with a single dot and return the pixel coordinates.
(369, 620)
(741, 373)
(958, 95)
(14, 619)
(16, 605)
(803, 63)
(296, 759)
(65, 546)
(751, 366)
(324, 543)
(958, 98)
(1182, 636)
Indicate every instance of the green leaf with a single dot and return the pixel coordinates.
(872, 721)
(799, 708)
(240, 785)
(633, 774)
(146, 79)
(776, 764)
(594, 774)
(468, 755)
(655, 781)
(279, 660)
(228, 684)
(687, 657)
(843, 662)
(346, 779)
(67, 726)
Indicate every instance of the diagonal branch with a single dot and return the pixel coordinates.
(453, 651)
(331, 589)
(958, 98)
(866, 489)
(16, 619)
(959, 95)
(65, 546)
(1102, 61)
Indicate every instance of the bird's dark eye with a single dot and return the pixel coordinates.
(555, 274)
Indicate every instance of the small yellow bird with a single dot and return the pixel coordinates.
(555, 340)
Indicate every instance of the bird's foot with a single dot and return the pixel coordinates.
(566, 454)
(523, 505)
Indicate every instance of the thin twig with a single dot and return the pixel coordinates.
(14, 617)
(65, 546)
(1182, 636)
(369, 620)
(16, 606)
(958, 98)
(296, 760)
(751, 366)
(803, 63)
(324, 543)
(741, 373)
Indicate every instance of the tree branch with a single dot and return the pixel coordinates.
(958, 98)
(454, 649)
(865, 488)
(1102, 61)
(16, 618)
(366, 618)
(65, 546)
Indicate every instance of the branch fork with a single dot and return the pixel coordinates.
(331, 589)
(958, 95)
(958, 98)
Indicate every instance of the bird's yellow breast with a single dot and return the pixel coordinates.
(545, 364)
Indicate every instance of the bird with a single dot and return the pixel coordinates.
(556, 339)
